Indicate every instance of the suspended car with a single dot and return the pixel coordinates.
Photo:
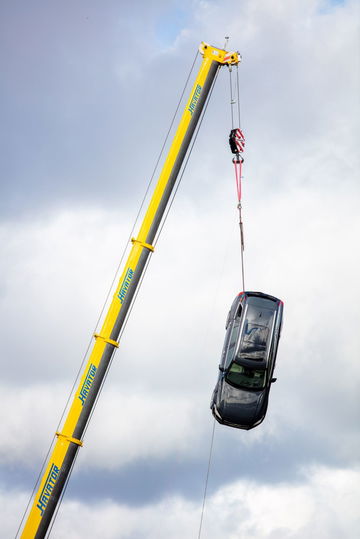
(253, 327)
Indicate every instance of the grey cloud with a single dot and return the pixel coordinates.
(146, 481)
(85, 102)
(72, 129)
(84, 89)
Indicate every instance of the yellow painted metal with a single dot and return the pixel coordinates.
(219, 55)
(109, 341)
(70, 439)
(146, 245)
(62, 442)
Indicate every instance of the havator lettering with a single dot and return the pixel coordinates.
(125, 285)
(194, 99)
(48, 488)
(85, 388)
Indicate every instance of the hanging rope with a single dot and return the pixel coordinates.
(207, 479)
(71, 393)
(238, 94)
(147, 263)
(237, 146)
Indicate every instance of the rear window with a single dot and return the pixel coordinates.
(255, 335)
(253, 345)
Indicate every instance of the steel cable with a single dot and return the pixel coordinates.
(239, 206)
(101, 314)
(207, 478)
(117, 272)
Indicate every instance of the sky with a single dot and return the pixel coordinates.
(87, 95)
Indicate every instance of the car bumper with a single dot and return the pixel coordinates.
(229, 423)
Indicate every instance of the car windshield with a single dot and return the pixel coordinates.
(245, 377)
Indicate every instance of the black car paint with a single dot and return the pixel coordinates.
(245, 408)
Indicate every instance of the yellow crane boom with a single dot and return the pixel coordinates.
(70, 438)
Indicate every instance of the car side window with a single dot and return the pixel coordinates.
(232, 341)
(228, 319)
(225, 347)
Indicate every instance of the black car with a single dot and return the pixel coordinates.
(253, 327)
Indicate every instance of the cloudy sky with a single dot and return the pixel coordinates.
(87, 95)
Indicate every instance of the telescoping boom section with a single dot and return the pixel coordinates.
(70, 438)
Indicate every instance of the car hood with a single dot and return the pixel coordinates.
(241, 406)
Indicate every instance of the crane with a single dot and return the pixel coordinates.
(70, 437)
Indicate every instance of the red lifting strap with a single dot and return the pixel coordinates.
(238, 174)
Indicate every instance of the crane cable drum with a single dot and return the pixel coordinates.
(237, 147)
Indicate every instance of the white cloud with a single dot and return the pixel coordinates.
(324, 504)
(138, 425)
(166, 369)
(144, 426)
(299, 109)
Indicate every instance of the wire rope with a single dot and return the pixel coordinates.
(132, 231)
(61, 497)
(34, 489)
(104, 304)
(131, 307)
(136, 293)
(240, 207)
(156, 240)
(242, 250)
(234, 102)
(157, 237)
(117, 271)
(238, 94)
(146, 267)
(187, 159)
(207, 478)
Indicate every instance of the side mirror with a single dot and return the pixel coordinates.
(273, 380)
